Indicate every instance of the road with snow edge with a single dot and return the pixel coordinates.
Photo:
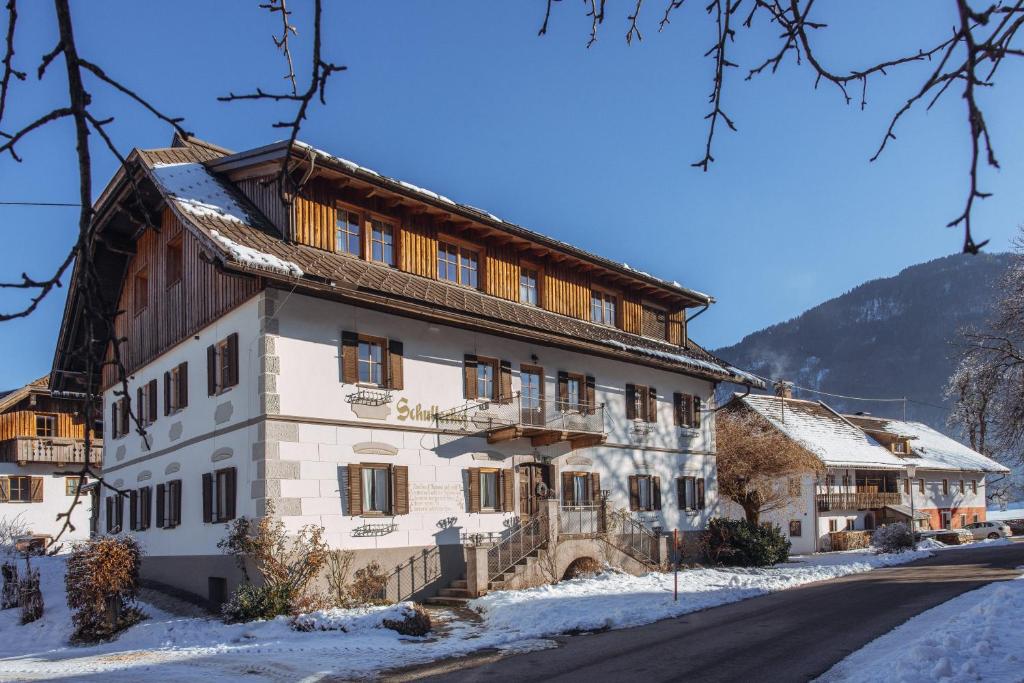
(792, 635)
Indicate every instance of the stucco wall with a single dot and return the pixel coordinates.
(41, 518)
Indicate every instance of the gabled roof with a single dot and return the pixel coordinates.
(835, 441)
(930, 449)
(13, 397)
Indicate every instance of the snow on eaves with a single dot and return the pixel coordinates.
(198, 192)
(256, 259)
(695, 363)
(935, 450)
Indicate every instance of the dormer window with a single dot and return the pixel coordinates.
(459, 264)
(602, 308)
(528, 286)
(900, 447)
(141, 290)
(348, 234)
(382, 242)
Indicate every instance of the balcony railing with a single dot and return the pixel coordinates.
(581, 520)
(24, 449)
(544, 422)
(856, 500)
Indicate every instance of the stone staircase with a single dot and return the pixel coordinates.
(457, 595)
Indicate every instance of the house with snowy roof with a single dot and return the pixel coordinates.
(875, 471)
(412, 373)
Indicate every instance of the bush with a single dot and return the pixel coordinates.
(369, 587)
(30, 596)
(250, 602)
(339, 563)
(415, 622)
(9, 595)
(893, 538)
(102, 583)
(739, 543)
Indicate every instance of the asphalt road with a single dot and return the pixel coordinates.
(793, 635)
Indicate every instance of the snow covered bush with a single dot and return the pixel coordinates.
(30, 596)
(414, 622)
(11, 529)
(9, 595)
(285, 564)
(102, 584)
(740, 543)
(893, 538)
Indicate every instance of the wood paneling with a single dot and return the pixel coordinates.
(566, 291)
(632, 314)
(264, 194)
(501, 273)
(417, 247)
(22, 420)
(314, 216)
(174, 310)
(676, 326)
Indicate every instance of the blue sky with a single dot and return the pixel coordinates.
(591, 146)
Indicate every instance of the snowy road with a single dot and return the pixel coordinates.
(792, 635)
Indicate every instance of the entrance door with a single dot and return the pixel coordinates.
(531, 476)
(947, 519)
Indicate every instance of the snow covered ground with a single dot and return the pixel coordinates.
(973, 637)
(178, 648)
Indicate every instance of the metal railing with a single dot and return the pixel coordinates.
(509, 551)
(581, 520)
(48, 449)
(523, 411)
(857, 500)
(635, 538)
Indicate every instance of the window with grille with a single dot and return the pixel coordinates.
(46, 425)
(371, 365)
(348, 233)
(528, 289)
(20, 489)
(382, 242)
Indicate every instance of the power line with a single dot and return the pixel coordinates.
(37, 204)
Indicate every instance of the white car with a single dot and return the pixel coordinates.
(982, 530)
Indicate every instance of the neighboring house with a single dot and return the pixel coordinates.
(865, 480)
(42, 448)
(409, 372)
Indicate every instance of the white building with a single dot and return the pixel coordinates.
(403, 370)
(42, 450)
(875, 471)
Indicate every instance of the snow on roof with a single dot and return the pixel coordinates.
(932, 449)
(197, 191)
(828, 435)
(695, 363)
(256, 259)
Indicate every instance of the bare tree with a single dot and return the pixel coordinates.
(757, 463)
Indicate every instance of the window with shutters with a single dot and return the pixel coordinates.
(144, 395)
(603, 307)
(571, 393)
(833, 525)
(686, 410)
(641, 403)
(690, 491)
(71, 485)
(486, 378)
(489, 490)
(171, 504)
(920, 485)
(581, 489)
(529, 292)
(371, 361)
(376, 489)
(974, 485)
(531, 394)
(222, 365)
(20, 490)
(963, 487)
(141, 290)
(945, 487)
(796, 528)
(219, 495)
(645, 492)
(348, 233)
(382, 242)
(176, 389)
(458, 263)
(173, 262)
(46, 425)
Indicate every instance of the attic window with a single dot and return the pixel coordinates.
(173, 261)
(899, 447)
(382, 242)
(348, 233)
(141, 290)
(602, 308)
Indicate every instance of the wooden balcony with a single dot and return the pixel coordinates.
(542, 422)
(856, 500)
(26, 449)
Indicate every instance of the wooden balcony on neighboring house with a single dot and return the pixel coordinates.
(543, 422)
(857, 500)
(26, 449)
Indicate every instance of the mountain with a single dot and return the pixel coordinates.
(891, 337)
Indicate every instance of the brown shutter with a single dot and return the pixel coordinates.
(141, 409)
(400, 483)
(567, 491)
(113, 420)
(508, 491)
(176, 502)
(5, 489)
(229, 504)
(126, 415)
(677, 409)
(145, 505)
(696, 411)
(167, 393)
(355, 489)
(396, 379)
(595, 488)
(152, 400)
(232, 378)
(160, 489)
(590, 395)
(652, 405)
(469, 376)
(474, 489)
(505, 385)
(36, 489)
(207, 497)
(110, 514)
(634, 493)
(656, 492)
(211, 370)
(133, 510)
(700, 493)
(563, 390)
(119, 510)
(183, 385)
(631, 403)
(681, 492)
(349, 358)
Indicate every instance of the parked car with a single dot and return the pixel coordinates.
(989, 530)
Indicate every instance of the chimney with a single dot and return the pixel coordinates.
(784, 389)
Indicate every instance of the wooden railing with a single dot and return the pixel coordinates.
(41, 449)
(856, 500)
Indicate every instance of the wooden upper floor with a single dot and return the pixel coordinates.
(36, 426)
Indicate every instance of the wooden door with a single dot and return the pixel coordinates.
(531, 475)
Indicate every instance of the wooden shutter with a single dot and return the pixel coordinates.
(681, 492)
(126, 415)
(656, 492)
(677, 409)
(469, 376)
(563, 389)
(231, 489)
(211, 370)
(141, 408)
(634, 493)
(176, 502)
(568, 497)
(145, 505)
(113, 420)
(505, 382)
(232, 378)
(160, 493)
(355, 489)
(183, 385)
(110, 514)
(652, 405)
(631, 404)
(700, 493)
(396, 379)
(696, 411)
(595, 488)
(207, 497)
(119, 512)
(590, 395)
(508, 491)
(5, 489)
(133, 510)
(152, 400)
(36, 489)
(474, 489)
(400, 484)
(167, 393)
(349, 358)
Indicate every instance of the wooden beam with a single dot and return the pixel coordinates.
(503, 434)
(548, 438)
(587, 441)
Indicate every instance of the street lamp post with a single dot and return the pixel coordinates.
(911, 471)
